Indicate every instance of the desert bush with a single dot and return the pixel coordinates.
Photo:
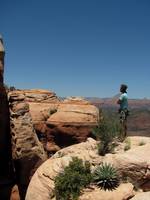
(127, 144)
(105, 176)
(72, 180)
(107, 131)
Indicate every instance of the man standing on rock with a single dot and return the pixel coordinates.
(123, 110)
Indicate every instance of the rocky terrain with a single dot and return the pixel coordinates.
(133, 164)
(38, 127)
(41, 124)
(56, 123)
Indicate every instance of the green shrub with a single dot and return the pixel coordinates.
(104, 147)
(127, 144)
(72, 180)
(107, 131)
(106, 177)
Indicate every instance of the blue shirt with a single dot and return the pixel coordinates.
(123, 101)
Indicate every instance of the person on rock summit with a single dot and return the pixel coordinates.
(123, 110)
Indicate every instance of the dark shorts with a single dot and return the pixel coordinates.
(5, 192)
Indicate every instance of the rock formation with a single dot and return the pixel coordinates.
(57, 123)
(133, 165)
(72, 123)
(142, 196)
(40, 115)
(27, 151)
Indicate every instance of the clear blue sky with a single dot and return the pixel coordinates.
(77, 47)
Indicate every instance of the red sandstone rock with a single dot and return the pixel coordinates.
(60, 123)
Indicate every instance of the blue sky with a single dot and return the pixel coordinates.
(77, 47)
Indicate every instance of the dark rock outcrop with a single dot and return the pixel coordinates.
(6, 166)
(2, 54)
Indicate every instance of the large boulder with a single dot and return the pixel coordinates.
(123, 192)
(72, 123)
(142, 196)
(58, 123)
(75, 114)
(132, 165)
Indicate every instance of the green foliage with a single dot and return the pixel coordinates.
(127, 144)
(107, 131)
(72, 180)
(106, 177)
(104, 147)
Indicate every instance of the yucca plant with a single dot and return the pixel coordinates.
(105, 176)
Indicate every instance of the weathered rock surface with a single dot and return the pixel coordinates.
(74, 114)
(72, 123)
(123, 192)
(134, 142)
(142, 196)
(34, 95)
(27, 150)
(133, 165)
(57, 123)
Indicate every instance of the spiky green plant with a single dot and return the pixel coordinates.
(106, 177)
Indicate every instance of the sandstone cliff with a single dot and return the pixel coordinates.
(57, 123)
